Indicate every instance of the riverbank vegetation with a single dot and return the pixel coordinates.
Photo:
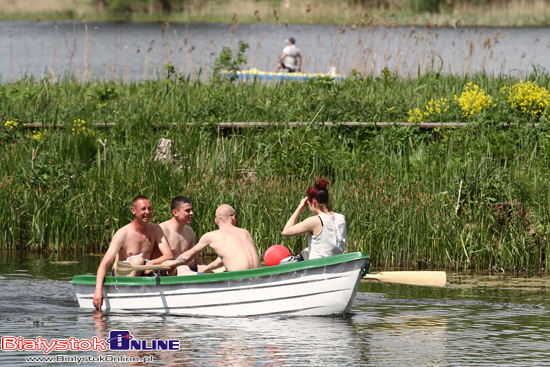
(470, 198)
(352, 12)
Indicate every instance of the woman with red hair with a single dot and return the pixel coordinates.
(326, 230)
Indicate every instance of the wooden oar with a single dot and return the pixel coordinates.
(124, 268)
(427, 278)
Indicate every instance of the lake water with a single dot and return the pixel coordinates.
(138, 51)
(473, 321)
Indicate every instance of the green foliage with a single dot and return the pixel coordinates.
(226, 66)
(431, 6)
(413, 197)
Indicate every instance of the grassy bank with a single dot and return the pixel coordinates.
(469, 198)
(390, 12)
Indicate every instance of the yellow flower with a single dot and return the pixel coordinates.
(38, 135)
(432, 111)
(79, 127)
(10, 124)
(415, 115)
(473, 100)
(528, 98)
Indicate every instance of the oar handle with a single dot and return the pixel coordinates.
(123, 267)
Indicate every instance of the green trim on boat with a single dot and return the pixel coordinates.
(216, 277)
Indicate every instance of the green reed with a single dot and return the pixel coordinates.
(469, 198)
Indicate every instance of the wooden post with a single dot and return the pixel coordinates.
(164, 149)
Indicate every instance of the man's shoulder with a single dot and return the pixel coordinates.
(212, 235)
(166, 225)
(124, 229)
(235, 231)
(188, 230)
(294, 49)
(154, 227)
(242, 230)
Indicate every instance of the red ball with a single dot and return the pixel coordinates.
(275, 254)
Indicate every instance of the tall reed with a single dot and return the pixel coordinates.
(470, 198)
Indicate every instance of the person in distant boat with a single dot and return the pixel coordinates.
(135, 242)
(291, 59)
(326, 230)
(233, 245)
(179, 234)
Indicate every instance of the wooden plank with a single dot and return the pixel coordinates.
(225, 125)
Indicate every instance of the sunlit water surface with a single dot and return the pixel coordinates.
(475, 320)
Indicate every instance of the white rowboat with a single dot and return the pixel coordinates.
(324, 286)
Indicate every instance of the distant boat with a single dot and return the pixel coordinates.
(325, 286)
(267, 75)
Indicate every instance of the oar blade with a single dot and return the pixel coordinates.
(422, 278)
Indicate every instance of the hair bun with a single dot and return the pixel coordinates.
(321, 184)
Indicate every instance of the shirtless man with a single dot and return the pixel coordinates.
(233, 245)
(180, 236)
(134, 243)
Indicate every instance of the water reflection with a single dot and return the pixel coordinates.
(461, 326)
(475, 320)
(56, 266)
(265, 341)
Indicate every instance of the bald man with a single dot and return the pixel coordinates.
(233, 245)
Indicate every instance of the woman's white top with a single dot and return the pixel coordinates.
(332, 238)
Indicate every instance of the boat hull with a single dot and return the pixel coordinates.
(255, 74)
(315, 287)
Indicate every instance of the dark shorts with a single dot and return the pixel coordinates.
(290, 70)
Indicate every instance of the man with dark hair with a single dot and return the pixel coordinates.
(180, 235)
(291, 59)
(135, 243)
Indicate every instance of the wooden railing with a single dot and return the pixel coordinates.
(424, 125)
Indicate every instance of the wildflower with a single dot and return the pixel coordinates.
(79, 127)
(416, 115)
(528, 98)
(473, 100)
(432, 111)
(10, 124)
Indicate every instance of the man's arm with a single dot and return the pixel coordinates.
(164, 248)
(191, 239)
(108, 258)
(218, 263)
(190, 254)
